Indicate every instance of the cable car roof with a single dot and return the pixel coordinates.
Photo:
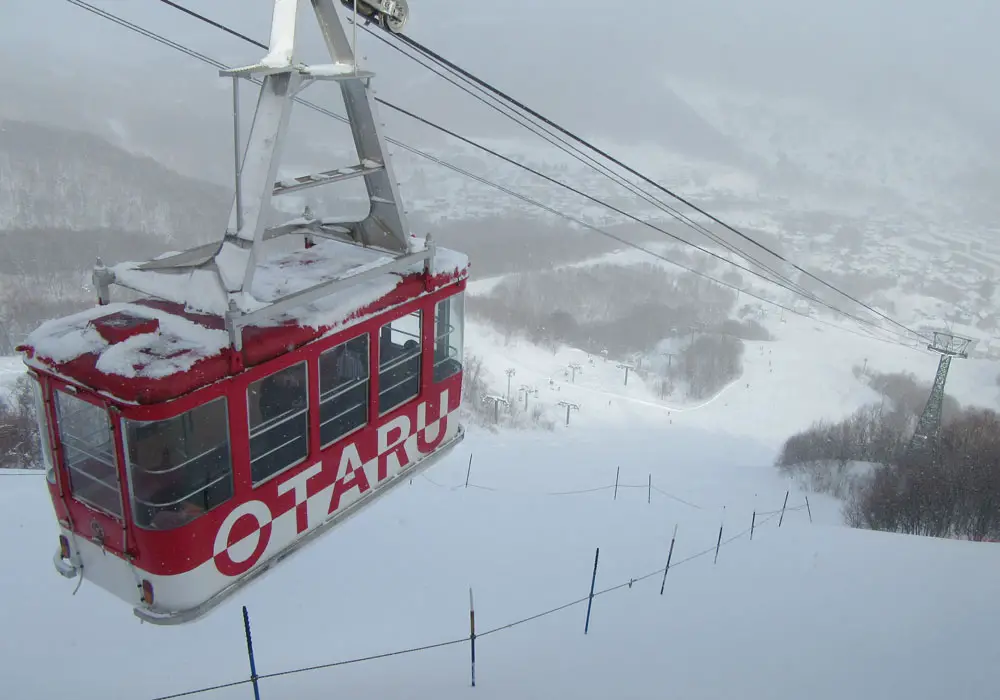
(156, 349)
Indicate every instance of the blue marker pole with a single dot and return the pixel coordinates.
(593, 580)
(472, 636)
(253, 666)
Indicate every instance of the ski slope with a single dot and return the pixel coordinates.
(812, 609)
(805, 374)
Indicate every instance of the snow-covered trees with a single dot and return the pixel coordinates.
(61, 179)
(622, 308)
(710, 362)
(19, 440)
(953, 490)
(950, 490)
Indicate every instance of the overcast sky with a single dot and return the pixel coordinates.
(791, 44)
(593, 64)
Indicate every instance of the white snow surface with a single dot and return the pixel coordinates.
(283, 25)
(61, 340)
(330, 70)
(808, 610)
(283, 275)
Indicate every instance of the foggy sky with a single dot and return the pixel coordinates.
(595, 65)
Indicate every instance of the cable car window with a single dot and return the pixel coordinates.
(89, 453)
(279, 422)
(343, 389)
(399, 361)
(179, 468)
(449, 327)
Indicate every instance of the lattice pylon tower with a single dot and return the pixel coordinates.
(928, 428)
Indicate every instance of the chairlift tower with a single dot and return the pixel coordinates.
(510, 372)
(948, 345)
(528, 391)
(628, 367)
(574, 367)
(569, 406)
(497, 401)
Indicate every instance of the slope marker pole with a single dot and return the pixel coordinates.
(472, 635)
(670, 555)
(253, 665)
(593, 581)
(718, 544)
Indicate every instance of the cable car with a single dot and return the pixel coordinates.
(255, 392)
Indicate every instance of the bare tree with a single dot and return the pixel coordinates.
(710, 362)
(952, 490)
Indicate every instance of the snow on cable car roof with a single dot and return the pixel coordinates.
(175, 346)
(121, 348)
(199, 291)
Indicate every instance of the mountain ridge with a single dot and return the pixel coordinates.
(54, 177)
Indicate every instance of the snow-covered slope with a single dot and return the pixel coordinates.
(804, 375)
(811, 610)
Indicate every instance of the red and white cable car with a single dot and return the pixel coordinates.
(249, 399)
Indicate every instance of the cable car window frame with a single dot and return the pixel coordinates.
(139, 505)
(274, 422)
(335, 393)
(453, 301)
(400, 360)
(72, 470)
(44, 425)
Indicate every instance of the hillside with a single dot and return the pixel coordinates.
(55, 178)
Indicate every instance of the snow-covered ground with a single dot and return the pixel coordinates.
(811, 610)
(805, 374)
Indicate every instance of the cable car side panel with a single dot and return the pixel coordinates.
(289, 511)
(283, 515)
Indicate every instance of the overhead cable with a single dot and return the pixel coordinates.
(206, 59)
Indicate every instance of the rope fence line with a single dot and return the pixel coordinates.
(676, 498)
(609, 487)
(661, 571)
(374, 657)
(318, 667)
(576, 492)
